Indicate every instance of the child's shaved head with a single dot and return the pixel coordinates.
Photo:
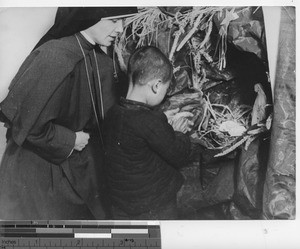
(149, 63)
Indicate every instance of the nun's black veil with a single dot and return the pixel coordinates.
(70, 20)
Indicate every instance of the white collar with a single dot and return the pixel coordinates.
(86, 36)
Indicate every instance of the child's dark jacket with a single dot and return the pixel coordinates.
(142, 154)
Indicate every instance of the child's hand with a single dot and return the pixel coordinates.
(182, 124)
(81, 140)
(170, 114)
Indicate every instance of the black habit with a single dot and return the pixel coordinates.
(41, 177)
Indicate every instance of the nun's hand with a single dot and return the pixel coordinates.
(82, 139)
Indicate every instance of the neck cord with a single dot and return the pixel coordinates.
(90, 88)
(100, 86)
(115, 68)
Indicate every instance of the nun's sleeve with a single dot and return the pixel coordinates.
(54, 143)
(49, 138)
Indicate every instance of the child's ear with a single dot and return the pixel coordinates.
(155, 86)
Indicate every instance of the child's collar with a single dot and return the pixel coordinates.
(132, 104)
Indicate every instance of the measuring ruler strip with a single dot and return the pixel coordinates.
(77, 243)
(70, 233)
(74, 224)
(79, 234)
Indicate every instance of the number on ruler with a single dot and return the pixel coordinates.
(129, 242)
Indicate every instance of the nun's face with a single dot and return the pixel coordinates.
(105, 31)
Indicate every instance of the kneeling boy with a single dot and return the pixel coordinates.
(143, 152)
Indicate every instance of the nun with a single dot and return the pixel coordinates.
(52, 167)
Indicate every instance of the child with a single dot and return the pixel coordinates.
(143, 152)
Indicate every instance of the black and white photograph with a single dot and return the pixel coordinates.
(184, 113)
